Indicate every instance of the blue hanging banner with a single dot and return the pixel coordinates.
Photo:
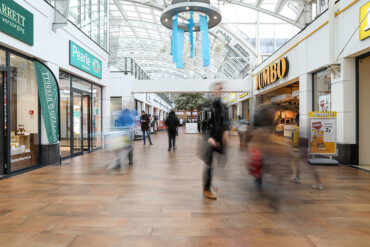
(191, 37)
(204, 37)
(180, 49)
(174, 39)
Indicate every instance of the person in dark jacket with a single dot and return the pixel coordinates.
(218, 138)
(172, 122)
(204, 126)
(145, 123)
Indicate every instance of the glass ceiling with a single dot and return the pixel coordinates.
(250, 29)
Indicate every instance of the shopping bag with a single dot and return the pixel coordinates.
(254, 163)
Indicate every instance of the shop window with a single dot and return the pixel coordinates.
(96, 116)
(322, 90)
(65, 113)
(2, 58)
(24, 117)
(80, 84)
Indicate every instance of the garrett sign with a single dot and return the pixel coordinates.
(272, 73)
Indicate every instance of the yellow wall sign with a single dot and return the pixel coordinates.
(232, 97)
(272, 73)
(243, 95)
(365, 26)
(322, 114)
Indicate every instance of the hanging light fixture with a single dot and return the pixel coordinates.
(189, 16)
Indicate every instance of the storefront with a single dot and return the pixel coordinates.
(244, 104)
(20, 112)
(31, 118)
(80, 114)
(138, 106)
(324, 74)
(286, 102)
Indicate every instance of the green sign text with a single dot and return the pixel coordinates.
(16, 21)
(83, 60)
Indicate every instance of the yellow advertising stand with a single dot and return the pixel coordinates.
(323, 134)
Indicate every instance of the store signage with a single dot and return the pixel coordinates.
(365, 25)
(323, 133)
(321, 114)
(272, 73)
(16, 21)
(83, 60)
(49, 100)
(242, 95)
(232, 97)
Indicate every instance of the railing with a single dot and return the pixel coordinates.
(130, 66)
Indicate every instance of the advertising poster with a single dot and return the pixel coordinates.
(324, 102)
(76, 119)
(162, 125)
(323, 133)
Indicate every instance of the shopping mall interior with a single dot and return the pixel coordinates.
(184, 123)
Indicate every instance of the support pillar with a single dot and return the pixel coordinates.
(305, 106)
(343, 96)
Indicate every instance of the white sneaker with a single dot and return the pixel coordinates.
(317, 187)
(296, 180)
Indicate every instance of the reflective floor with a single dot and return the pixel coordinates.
(159, 202)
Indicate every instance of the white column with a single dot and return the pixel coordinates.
(305, 104)
(151, 110)
(343, 96)
(239, 109)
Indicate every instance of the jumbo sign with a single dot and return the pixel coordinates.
(272, 73)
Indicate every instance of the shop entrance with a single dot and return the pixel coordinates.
(286, 101)
(81, 130)
(363, 65)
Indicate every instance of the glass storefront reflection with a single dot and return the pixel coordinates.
(65, 113)
(24, 123)
(2, 58)
(83, 99)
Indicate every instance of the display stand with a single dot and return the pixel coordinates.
(191, 128)
(323, 138)
(323, 161)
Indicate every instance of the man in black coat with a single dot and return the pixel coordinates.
(172, 122)
(218, 138)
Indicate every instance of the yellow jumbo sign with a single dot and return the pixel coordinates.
(365, 25)
(272, 73)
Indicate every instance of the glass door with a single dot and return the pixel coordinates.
(86, 116)
(77, 130)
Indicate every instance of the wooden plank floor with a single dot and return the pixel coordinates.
(159, 202)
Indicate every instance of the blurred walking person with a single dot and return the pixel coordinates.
(172, 122)
(145, 126)
(119, 141)
(204, 126)
(217, 139)
(243, 129)
(198, 124)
